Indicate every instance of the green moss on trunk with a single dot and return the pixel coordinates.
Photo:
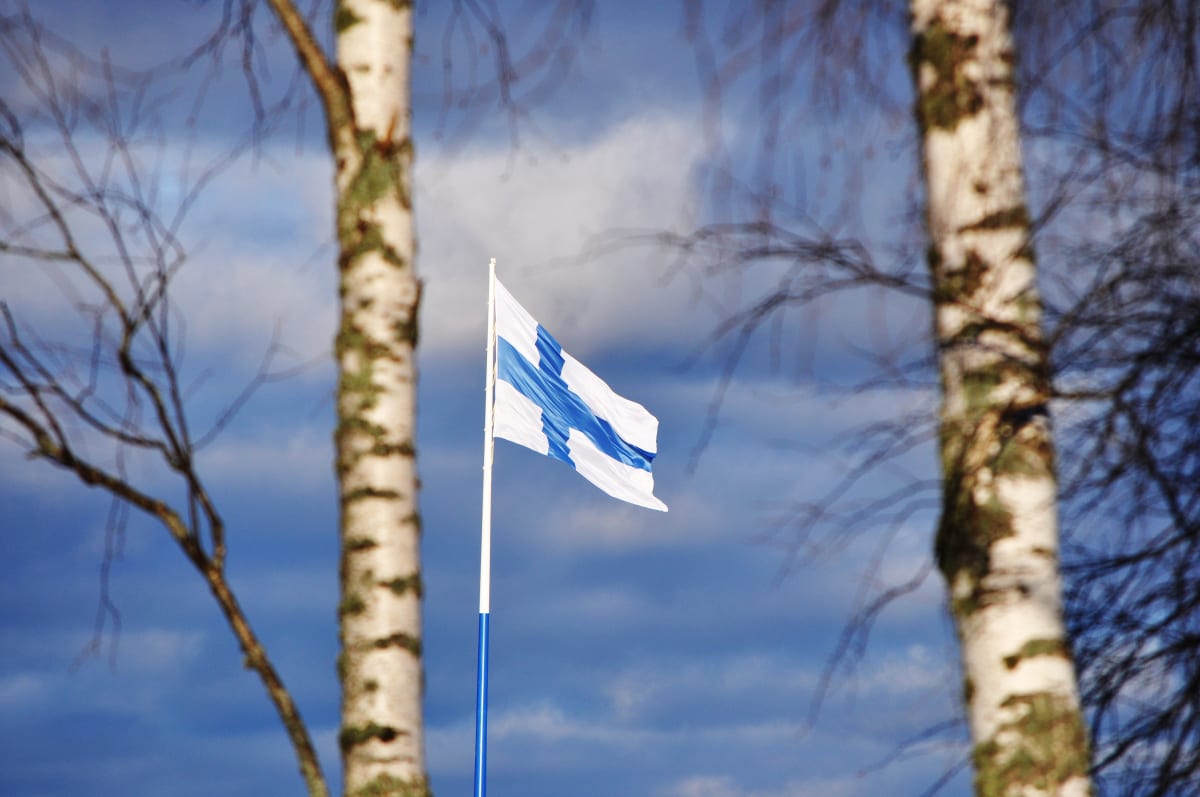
(389, 786)
(1024, 451)
(1049, 749)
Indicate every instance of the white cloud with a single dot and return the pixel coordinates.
(605, 524)
(726, 786)
(150, 663)
(19, 691)
(705, 786)
(236, 306)
(548, 723)
(290, 591)
(267, 261)
(913, 670)
(298, 460)
(156, 651)
(530, 215)
(718, 680)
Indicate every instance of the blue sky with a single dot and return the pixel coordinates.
(633, 652)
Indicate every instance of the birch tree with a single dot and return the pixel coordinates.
(997, 541)
(365, 93)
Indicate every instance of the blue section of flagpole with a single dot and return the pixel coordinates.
(481, 701)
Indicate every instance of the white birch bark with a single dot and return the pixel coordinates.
(367, 104)
(997, 543)
(380, 666)
(366, 99)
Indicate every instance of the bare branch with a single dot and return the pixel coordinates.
(329, 82)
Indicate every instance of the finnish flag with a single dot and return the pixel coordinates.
(548, 401)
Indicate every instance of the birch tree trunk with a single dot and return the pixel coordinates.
(380, 612)
(366, 96)
(997, 542)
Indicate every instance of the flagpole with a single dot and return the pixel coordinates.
(485, 545)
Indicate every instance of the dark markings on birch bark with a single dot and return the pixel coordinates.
(354, 735)
(402, 585)
(953, 96)
(1034, 648)
(344, 18)
(1014, 217)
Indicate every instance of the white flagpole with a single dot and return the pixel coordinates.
(485, 545)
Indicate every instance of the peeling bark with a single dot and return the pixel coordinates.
(997, 540)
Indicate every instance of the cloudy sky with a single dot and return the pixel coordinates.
(634, 652)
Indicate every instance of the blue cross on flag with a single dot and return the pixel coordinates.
(548, 401)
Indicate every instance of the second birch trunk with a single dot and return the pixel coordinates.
(997, 543)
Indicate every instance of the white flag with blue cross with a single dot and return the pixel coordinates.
(548, 401)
